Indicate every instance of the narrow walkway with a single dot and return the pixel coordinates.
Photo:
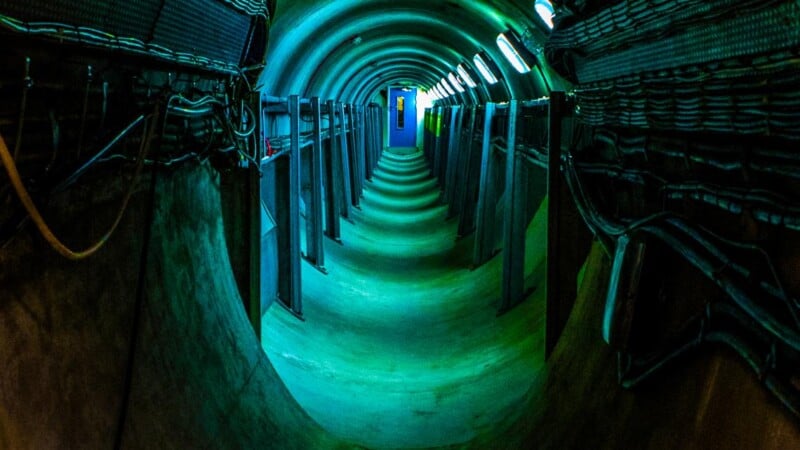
(401, 346)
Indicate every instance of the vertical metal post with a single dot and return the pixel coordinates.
(374, 120)
(362, 145)
(315, 252)
(344, 159)
(289, 218)
(464, 160)
(332, 172)
(466, 222)
(425, 119)
(484, 226)
(381, 125)
(367, 144)
(558, 306)
(253, 305)
(355, 168)
(514, 218)
(438, 148)
(452, 153)
(371, 142)
(430, 130)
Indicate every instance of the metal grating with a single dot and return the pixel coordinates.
(753, 34)
(208, 29)
(203, 27)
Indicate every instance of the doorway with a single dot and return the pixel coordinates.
(402, 117)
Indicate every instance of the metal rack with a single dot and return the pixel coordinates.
(495, 196)
(331, 148)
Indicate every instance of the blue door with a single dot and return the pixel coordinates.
(402, 117)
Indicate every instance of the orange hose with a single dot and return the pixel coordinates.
(44, 229)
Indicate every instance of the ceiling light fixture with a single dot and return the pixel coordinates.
(451, 77)
(545, 10)
(462, 72)
(482, 62)
(447, 87)
(514, 51)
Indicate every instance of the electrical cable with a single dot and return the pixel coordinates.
(81, 170)
(249, 131)
(87, 35)
(763, 367)
(139, 304)
(693, 254)
(41, 224)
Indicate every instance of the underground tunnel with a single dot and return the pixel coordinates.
(386, 224)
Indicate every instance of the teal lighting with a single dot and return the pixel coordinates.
(512, 54)
(545, 10)
(451, 77)
(462, 72)
(483, 68)
(442, 90)
(447, 87)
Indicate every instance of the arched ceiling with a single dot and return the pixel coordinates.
(348, 50)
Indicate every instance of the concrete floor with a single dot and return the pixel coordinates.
(401, 346)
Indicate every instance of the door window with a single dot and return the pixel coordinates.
(401, 112)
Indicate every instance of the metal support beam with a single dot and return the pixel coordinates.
(556, 314)
(439, 150)
(315, 216)
(332, 176)
(466, 223)
(362, 147)
(355, 169)
(369, 132)
(254, 248)
(254, 212)
(372, 143)
(288, 217)
(344, 164)
(453, 150)
(426, 133)
(381, 132)
(376, 126)
(463, 165)
(568, 239)
(514, 218)
(484, 226)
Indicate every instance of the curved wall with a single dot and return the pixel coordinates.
(332, 49)
(199, 376)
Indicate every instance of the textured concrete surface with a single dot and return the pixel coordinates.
(200, 379)
(401, 346)
(64, 326)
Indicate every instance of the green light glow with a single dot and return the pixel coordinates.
(400, 347)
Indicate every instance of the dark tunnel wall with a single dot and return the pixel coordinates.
(712, 401)
(199, 378)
